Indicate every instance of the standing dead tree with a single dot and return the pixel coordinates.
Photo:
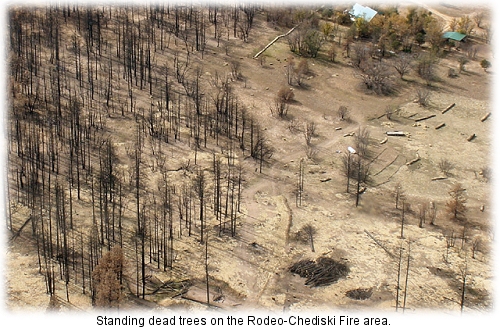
(310, 231)
(406, 278)
(199, 186)
(423, 96)
(343, 113)
(309, 132)
(422, 214)
(107, 279)
(463, 276)
(403, 210)
(260, 147)
(376, 76)
(432, 212)
(403, 64)
(399, 276)
(450, 243)
(456, 204)
(280, 103)
(399, 194)
(300, 184)
(347, 165)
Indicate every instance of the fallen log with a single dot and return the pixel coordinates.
(413, 160)
(348, 134)
(425, 118)
(395, 133)
(383, 141)
(439, 178)
(325, 180)
(471, 137)
(485, 117)
(273, 41)
(16, 234)
(385, 167)
(448, 108)
(380, 244)
(439, 126)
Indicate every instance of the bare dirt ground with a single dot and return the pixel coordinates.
(251, 271)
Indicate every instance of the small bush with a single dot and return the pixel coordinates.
(446, 166)
(485, 64)
(285, 94)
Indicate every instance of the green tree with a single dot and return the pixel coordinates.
(485, 64)
(426, 67)
(312, 43)
(362, 27)
(327, 29)
(465, 25)
(434, 35)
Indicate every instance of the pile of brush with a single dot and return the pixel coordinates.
(324, 271)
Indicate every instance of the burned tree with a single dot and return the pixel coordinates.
(199, 186)
(106, 277)
(260, 147)
(280, 103)
(456, 205)
(399, 194)
(343, 113)
(376, 76)
(403, 64)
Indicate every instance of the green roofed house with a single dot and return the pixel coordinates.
(361, 11)
(453, 35)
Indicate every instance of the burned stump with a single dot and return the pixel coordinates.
(324, 271)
